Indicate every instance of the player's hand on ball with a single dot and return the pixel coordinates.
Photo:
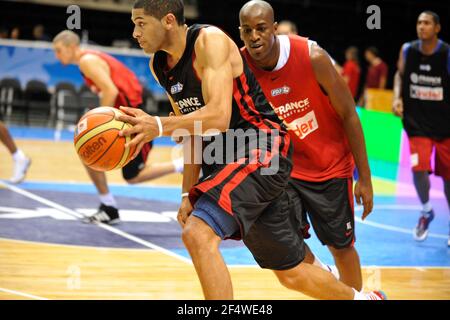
(144, 128)
(184, 211)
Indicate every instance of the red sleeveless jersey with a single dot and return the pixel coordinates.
(130, 90)
(321, 147)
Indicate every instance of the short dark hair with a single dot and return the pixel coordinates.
(374, 51)
(160, 8)
(435, 16)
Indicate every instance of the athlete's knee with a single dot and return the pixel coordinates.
(293, 279)
(341, 252)
(132, 181)
(197, 235)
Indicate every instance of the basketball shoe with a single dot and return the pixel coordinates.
(375, 295)
(421, 230)
(20, 170)
(105, 214)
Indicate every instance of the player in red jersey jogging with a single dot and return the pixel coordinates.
(307, 93)
(117, 86)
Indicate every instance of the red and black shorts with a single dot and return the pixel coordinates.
(421, 149)
(329, 206)
(262, 208)
(132, 169)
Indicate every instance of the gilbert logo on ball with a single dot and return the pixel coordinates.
(97, 140)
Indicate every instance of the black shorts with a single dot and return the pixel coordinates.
(329, 205)
(132, 169)
(262, 208)
(275, 239)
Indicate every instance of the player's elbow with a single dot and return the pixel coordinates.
(111, 93)
(218, 120)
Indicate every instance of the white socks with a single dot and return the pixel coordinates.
(108, 200)
(319, 263)
(178, 164)
(18, 155)
(359, 295)
(426, 207)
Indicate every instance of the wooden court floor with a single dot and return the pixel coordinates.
(36, 270)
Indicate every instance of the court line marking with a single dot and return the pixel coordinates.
(392, 228)
(100, 225)
(148, 185)
(74, 246)
(23, 294)
(182, 258)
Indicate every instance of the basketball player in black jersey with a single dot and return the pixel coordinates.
(208, 82)
(422, 99)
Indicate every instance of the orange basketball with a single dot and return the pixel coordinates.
(97, 140)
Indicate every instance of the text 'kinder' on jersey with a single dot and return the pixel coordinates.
(321, 147)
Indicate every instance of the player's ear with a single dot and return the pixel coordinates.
(169, 21)
(275, 27)
(240, 33)
(437, 28)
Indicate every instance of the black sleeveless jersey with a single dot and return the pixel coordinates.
(250, 108)
(425, 92)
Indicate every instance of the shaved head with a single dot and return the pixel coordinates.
(67, 37)
(257, 8)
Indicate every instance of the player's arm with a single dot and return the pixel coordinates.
(342, 101)
(397, 104)
(212, 51)
(91, 69)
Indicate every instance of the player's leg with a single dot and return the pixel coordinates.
(202, 234)
(107, 212)
(442, 161)
(276, 244)
(6, 139)
(314, 282)
(21, 161)
(138, 171)
(330, 207)
(310, 257)
(349, 266)
(421, 149)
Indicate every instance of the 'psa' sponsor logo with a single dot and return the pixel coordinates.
(280, 91)
(305, 125)
(176, 88)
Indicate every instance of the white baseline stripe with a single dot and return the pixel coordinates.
(23, 294)
(392, 228)
(100, 225)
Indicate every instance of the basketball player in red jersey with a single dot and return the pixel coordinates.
(205, 76)
(117, 86)
(307, 93)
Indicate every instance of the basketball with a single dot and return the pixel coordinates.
(97, 140)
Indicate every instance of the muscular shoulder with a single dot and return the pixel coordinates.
(319, 57)
(210, 37)
(89, 60)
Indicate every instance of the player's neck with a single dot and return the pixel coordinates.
(77, 56)
(271, 61)
(176, 45)
(428, 46)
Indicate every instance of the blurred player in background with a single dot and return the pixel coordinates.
(21, 161)
(421, 98)
(117, 86)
